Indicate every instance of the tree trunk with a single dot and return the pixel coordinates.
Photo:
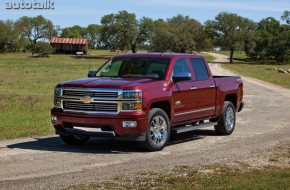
(133, 48)
(232, 55)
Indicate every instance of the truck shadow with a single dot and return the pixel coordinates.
(103, 146)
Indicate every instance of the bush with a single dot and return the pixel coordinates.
(43, 48)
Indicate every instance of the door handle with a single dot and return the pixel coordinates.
(212, 86)
(193, 88)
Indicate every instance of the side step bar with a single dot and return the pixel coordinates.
(187, 128)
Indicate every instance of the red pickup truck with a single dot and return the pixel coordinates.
(146, 98)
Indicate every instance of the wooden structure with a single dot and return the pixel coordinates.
(70, 45)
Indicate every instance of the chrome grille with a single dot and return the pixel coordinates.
(90, 93)
(93, 106)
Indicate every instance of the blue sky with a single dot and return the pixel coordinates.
(84, 12)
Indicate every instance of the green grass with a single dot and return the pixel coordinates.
(259, 71)
(26, 89)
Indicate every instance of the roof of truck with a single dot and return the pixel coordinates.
(158, 55)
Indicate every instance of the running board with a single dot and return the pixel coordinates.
(187, 128)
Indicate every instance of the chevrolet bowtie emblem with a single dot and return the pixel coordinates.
(87, 99)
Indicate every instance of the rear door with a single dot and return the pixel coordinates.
(204, 90)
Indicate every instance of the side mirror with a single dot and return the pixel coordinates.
(91, 73)
(182, 76)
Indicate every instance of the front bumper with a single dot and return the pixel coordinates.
(107, 125)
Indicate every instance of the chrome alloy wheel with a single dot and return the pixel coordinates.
(158, 130)
(230, 119)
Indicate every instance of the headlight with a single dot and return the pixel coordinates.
(132, 100)
(134, 94)
(57, 92)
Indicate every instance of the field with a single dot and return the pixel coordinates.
(258, 70)
(26, 89)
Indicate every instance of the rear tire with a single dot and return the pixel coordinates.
(227, 120)
(74, 139)
(158, 131)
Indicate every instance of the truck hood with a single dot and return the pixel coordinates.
(119, 83)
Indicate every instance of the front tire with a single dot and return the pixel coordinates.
(74, 139)
(158, 131)
(227, 120)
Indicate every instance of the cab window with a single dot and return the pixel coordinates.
(199, 69)
(180, 66)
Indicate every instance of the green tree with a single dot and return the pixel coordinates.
(160, 40)
(36, 29)
(143, 31)
(118, 30)
(93, 35)
(178, 34)
(230, 31)
(267, 30)
(186, 34)
(4, 37)
(286, 17)
(74, 32)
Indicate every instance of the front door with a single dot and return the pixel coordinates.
(193, 99)
(181, 92)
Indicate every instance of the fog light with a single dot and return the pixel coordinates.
(129, 124)
(53, 119)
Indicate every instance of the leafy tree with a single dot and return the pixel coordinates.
(230, 31)
(93, 35)
(4, 37)
(35, 29)
(286, 17)
(143, 31)
(160, 40)
(267, 29)
(186, 34)
(118, 30)
(178, 34)
(74, 32)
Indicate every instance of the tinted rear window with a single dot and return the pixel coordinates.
(199, 68)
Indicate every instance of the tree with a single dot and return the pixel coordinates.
(74, 32)
(160, 40)
(178, 34)
(93, 35)
(286, 17)
(230, 31)
(118, 30)
(4, 37)
(35, 29)
(143, 31)
(186, 34)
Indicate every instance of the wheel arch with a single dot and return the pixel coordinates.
(164, 105)
(233, 98)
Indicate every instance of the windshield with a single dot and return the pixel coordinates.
(135, 67)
